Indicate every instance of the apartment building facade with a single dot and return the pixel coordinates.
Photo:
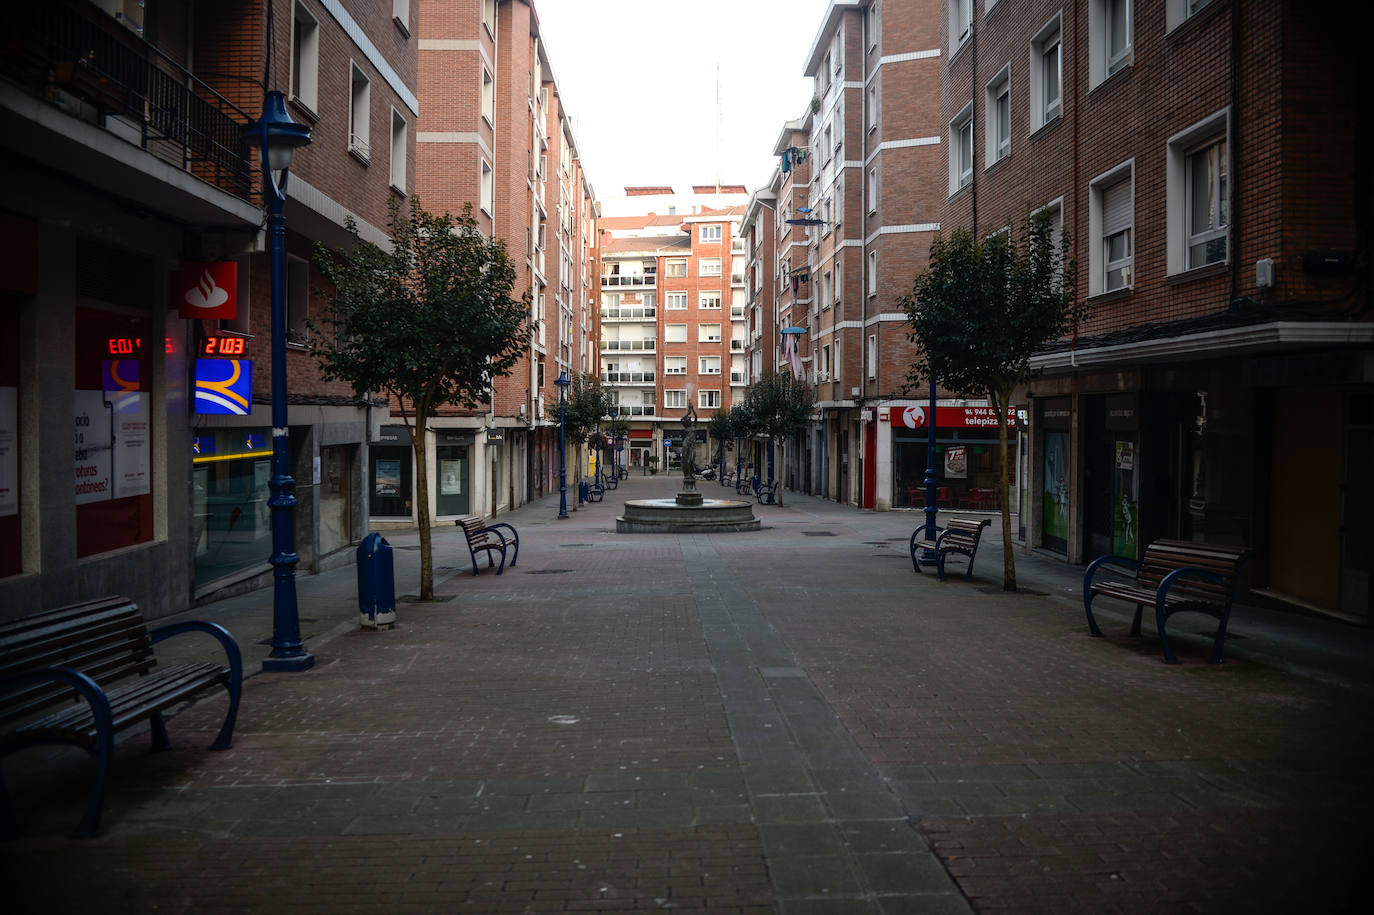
(127, 169)
(494, 136)
(1212, 169)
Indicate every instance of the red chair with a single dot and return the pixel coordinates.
(942, 497)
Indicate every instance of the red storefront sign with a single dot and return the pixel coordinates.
(946, 417)
(637, 434)
(205, 290)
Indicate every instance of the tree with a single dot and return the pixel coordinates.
(780, 406)
(586, 404)
(721, 429)
(431, 322)
(979, 312)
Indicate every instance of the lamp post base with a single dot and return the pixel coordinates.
(289, 665)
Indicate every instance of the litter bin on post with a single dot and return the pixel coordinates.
(376, 583)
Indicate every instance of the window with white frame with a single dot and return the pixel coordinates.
(1110, 38)
(305, 58)
(1046, 75)
(960, 22)
(676, 267)
(488, 97)
(675, 365)
(400, 11)
(359, 114)
(1111, 217)
(997, 130)
(873, 23)
(488, 189)
(675, 301)
(709, 266)
(1178, 12)
(708, 365)
(826, 290)
(710, 300)
(675, 399)
(708, 234)
(839, 281)
(708, 333)
(872, 356)
(398, 151)
(873, 189)
(1055, 210)
(873, 107)
(1198, 201)
(675, 333)
(823, 369)
(489, 16)
(708, 400)
(961, 149)
(873, 273)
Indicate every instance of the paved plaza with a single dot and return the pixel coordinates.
(789, 720)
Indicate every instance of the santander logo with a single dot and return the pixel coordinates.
(205, 294)
(205, 290)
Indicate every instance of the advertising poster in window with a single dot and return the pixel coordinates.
(9, 452)
(956, 462)
(93, 432)
(1124, 502)
(1055, 512)
(388, 478)
(450, 478)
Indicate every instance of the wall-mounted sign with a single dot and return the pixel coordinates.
(495, 435)
(224, 386)
(205, 290)
(948, 417)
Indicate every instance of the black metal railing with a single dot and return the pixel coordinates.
(62, 51)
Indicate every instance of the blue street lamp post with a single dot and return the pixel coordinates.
(562, 382)
(930, 466)
(277, 137)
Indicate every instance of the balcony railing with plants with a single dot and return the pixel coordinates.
(85, 62)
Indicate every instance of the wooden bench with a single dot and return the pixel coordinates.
(489, 538)
(959, 535)
(1175, 576)
(78, 674)
(767, 493)
(595, 492)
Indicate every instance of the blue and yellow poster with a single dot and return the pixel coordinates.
(224, 386)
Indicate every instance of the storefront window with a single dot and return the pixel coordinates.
(966, 471)
(10, 502)
(233, 525)
(389, 476)
(453, 495)
(1054, 512)
(112, 404)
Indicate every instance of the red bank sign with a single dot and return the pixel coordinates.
(205, 290)
(947, 417)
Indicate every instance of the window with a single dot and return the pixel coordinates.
(675, 333)
(1047, 71)
(708, 333)
(873, 190)
(709, 234)
(305, 58)
(1111, 216)
(709, 266)
(708, 300)
(1110, 46)
(873, 273)
(675, 399)
(488, 190)
(398, 151)
(997, 131)
(1055, 209)
(489, 16)
(708, 365)
(708, 399)
(359, 113)
(488, 97)
(1199, 195)
(873, 107)
(675, 301)
(297, 298)
(676, 268)
(1180, 11)
(960, 22)
(827, 290)
(823, 370)
(873, 27)
(675, 365)
(872, 356)
(961, 149)
(839, 284)
(400, 12)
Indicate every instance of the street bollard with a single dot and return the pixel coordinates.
(376, 583)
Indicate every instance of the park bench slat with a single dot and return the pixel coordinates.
(959, 535)
(489, 539)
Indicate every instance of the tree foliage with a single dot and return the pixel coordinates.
(979, 312)
(777, 405)
(430, 321)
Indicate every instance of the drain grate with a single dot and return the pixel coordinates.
(819, 533)
(575, 544)
(549, 571)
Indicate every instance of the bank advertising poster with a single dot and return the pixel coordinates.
(9, 451)
(113, 454)
(450, 478)
(1124, 502)
(1056, 496)
(388, 478)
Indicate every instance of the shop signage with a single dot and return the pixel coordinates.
(641, 433)
(495, 435)
(205, 290)
(444, 437)
(224, 386)
(948, 417)
(393, 435)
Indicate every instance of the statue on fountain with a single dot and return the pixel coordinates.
(689, 494)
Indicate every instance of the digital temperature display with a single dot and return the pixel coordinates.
(224, 346)
(130, 346)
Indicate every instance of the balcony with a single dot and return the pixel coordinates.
(628, 346)
(736, 312)
(737, 378)
(627, 377)
(630, 313)
(737, 279)
(625, 410)
(86, 63)
(619, 281)
(736, 346)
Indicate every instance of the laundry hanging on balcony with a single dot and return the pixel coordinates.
(793, 156)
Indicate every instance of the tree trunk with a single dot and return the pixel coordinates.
(1003, 487)
(417, 444)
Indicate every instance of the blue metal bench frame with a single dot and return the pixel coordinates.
(960, 535)
(489, 539)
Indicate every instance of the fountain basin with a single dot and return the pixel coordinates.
(666, 516)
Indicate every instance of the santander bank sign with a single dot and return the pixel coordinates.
(205, 290)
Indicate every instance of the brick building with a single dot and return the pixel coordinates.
(494, 135)
(125, 161)
(1212, 168)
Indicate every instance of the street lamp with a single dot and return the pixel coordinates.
(930, 465)
(562, 381)
(277, 137)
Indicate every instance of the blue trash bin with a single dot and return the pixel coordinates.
(584, 492)
(376, 583)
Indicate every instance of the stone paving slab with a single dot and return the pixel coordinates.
(759, 722)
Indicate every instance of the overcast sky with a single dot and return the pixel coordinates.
(638, 78)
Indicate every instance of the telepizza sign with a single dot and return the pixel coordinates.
(946, 417)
